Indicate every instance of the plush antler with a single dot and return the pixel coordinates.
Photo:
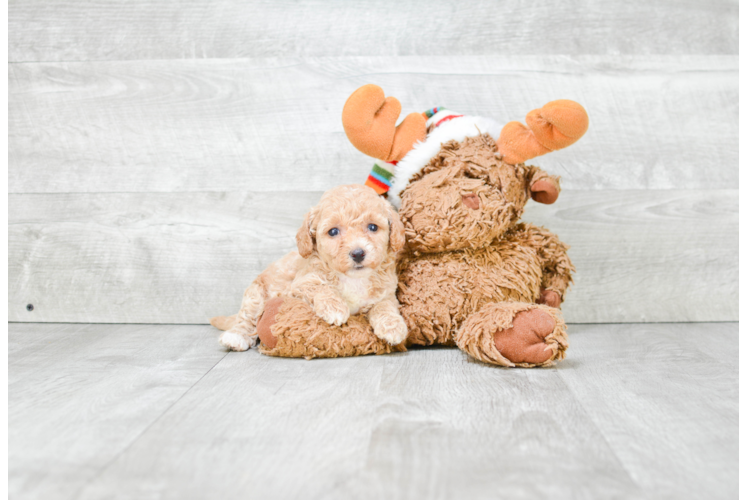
(369, 122)
(556, 125)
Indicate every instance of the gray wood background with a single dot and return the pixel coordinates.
(163, 153)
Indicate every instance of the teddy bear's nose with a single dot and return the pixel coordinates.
(358, 255)
(471, 201)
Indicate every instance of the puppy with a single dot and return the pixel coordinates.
(345, 264)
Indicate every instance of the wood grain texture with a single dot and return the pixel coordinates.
(641, 256)
(427, 424)
(452, 427)
(635, 411)
(79, 395)
(145, 258)
(657, 122)
(63, 30)
(663, 395)
(743, 399)
(227, 443)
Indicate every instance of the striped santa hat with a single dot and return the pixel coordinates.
(380, 177)
(389, 178)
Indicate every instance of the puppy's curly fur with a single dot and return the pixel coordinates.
(345, 264)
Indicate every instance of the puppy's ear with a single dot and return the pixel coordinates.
(397, 230)
(304, 239)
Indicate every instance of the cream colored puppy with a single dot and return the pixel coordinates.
(345, 264)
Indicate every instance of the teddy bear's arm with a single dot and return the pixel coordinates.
(544, 187)
(556, 265)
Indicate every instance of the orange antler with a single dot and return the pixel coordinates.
(369, 122)
(556, 125)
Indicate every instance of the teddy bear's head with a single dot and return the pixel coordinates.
(458, 181)
(467, 196)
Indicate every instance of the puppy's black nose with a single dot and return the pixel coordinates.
(358, 255)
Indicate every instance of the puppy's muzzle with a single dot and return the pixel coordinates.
(358, 255)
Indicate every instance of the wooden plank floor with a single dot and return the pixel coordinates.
(162, 411)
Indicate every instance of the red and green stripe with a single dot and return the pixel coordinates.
(432, 111)
(380, 179)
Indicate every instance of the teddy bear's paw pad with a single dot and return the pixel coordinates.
(549, 298)
(524, 341)
(267, 320)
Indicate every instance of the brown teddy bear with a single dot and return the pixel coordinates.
(470, 275)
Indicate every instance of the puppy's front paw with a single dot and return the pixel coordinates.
(236, 341)
(333, 313)
(391, 328)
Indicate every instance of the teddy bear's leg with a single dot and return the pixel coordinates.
(514, 334)
(556, 125)
(290, 328)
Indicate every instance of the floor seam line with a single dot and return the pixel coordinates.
(141, 433)
(602, 434)
(370, 438)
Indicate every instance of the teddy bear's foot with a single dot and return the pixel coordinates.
(514, 334)
(290, 328)
(524, 341)
(267, 320)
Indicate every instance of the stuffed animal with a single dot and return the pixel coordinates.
(471, 275)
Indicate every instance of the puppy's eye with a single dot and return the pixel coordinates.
(373, 228)
(333, 232)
